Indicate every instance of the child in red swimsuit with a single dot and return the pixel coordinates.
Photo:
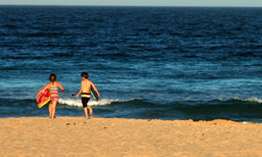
(53, 89)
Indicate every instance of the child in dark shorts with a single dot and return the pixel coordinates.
(85, 91)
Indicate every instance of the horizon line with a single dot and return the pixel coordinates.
(69, 5)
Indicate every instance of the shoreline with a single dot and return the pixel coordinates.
(77, 136)
(192, 120)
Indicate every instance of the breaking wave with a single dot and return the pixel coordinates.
(78, 103)
(252, 99)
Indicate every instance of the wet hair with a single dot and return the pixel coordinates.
(52, 76)
(85, 75)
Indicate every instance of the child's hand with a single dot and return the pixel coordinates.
(63, 91)
(77, 96)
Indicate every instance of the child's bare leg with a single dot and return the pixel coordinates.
(90, 110)
(54, 108)
(50, 109)
(86, 112)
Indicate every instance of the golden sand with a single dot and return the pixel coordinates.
(77, 136)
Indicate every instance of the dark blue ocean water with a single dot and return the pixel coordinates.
(147, 62)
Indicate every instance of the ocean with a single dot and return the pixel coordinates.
(164, 63)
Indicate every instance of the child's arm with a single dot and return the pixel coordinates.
(61, 87)
(42, 89)
(81, 90)
(95, 89)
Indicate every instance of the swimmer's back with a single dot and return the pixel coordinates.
(86, 86)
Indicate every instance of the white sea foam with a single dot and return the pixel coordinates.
(252, 99)
(78, 103)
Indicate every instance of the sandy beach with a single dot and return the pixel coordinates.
(76, 136)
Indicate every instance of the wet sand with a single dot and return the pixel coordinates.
(77, 136)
